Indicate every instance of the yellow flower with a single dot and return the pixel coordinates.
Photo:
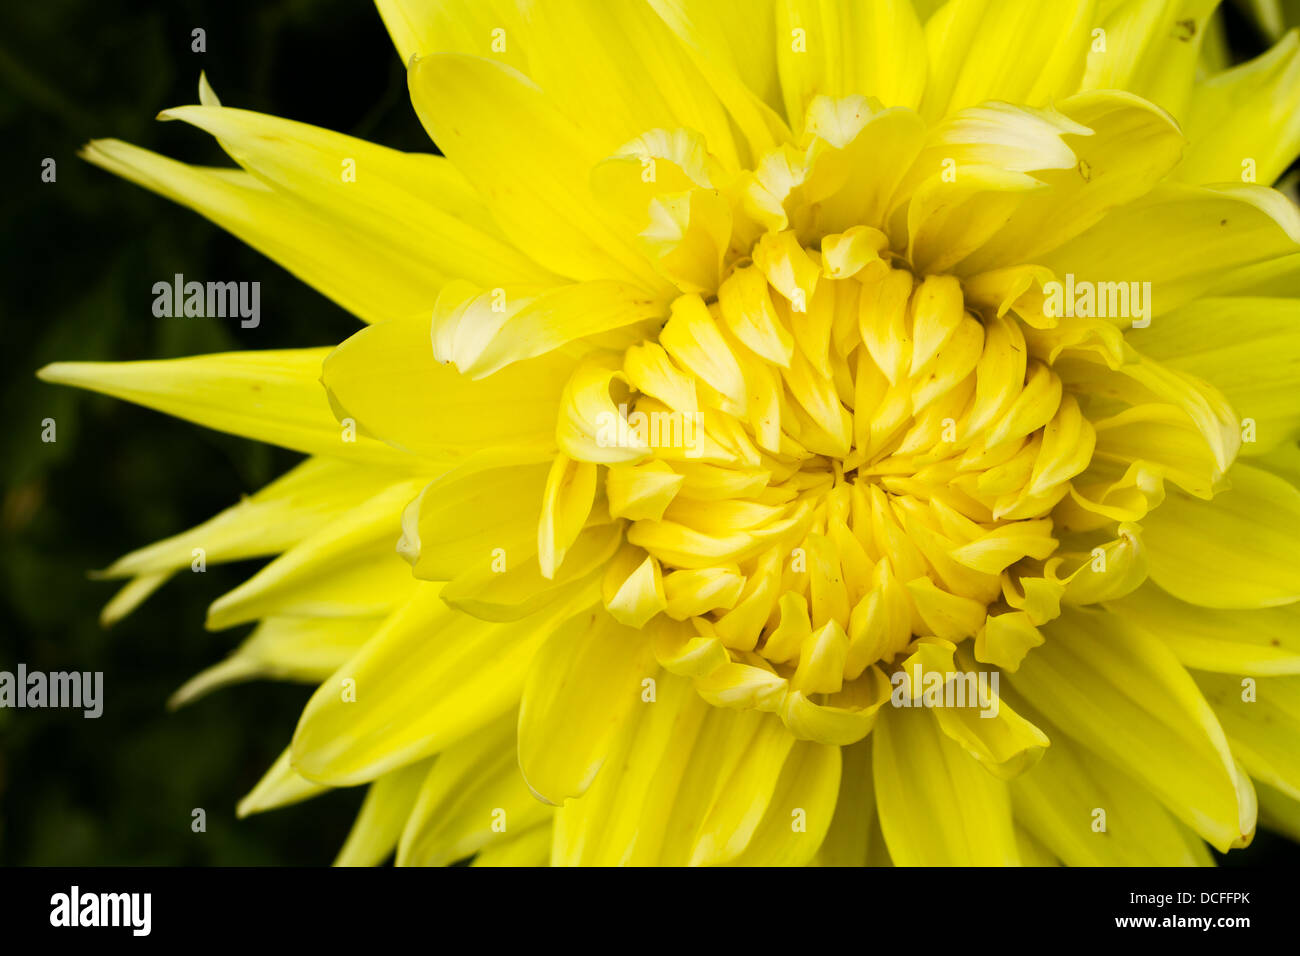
(785, 432)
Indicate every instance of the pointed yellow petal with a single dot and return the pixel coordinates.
(622, 818)
(741, 69)
(1005, 639)
(1246, 119)
(273, 519)
(284, 648)
(800, 812)
(1228, 226)
(565, 315)
(132, 595)
(382, 816)
(981, 721)
(362, 278)
(745, 303)
(566, 503)
(280, 787)
(590, 427)
(271, 396)
(350, 568)
(386, 379)
(948, 221)
(635, 74)
(855, 827)
(429, 677)
(406, 205)
(1120, 147)
(641, 491)
(732, 821)
(473, 797)
(691, 336)
(1279, 812)
(634, 596)
(490, 593)
(473, 518)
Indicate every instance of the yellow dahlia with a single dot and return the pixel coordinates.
(785, 432)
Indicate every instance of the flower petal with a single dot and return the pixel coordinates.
(474, 518)
(350, 568)
(845, 47)
(461, 26)
(387, 380)
(530, 848)
(1263, 728)
(1249, 348)
(281, 786)
(360, 277)
(1248, 113)
(428, 678)
(1150, 48)
(283, 648)
(741, 69)
(565, 315)
(585, 678)
(407, 206)
(382, 815)
(1217, 229)
(1263, 642)
(1090, 814)
(529, 162)
(981, 50)
(1124, 696)
(286, 511)
(270, 396)
(633, 75)
(938, 806)
(1237, 551)
(690, 792)
(472, 798)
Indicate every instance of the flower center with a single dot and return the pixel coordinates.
(860, 459)
(848, 448)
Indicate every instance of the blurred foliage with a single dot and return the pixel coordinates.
(80, 259)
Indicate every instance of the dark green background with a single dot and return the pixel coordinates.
(80, 259)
